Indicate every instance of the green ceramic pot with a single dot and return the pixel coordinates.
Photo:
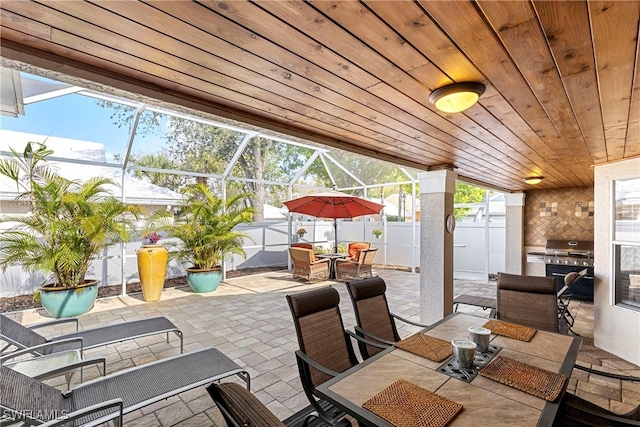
(62, 302)
(204, 280)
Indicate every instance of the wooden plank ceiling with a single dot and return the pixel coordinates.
(563, 91)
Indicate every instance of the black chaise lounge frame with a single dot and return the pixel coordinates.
(22, 337)
(107, 398)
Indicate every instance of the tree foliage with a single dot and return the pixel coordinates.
(466, 193)
(198, 147)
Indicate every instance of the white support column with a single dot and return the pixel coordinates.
(514, 233)
(436, 244)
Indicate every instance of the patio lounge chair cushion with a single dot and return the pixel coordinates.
(528, 300)
(137, 387)
(355, 248)
(241, 406)
(24, 337)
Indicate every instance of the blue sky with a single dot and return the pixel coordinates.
(77, 117)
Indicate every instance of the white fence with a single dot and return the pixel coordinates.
(398, 246)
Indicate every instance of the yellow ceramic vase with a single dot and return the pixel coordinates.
(152, 269)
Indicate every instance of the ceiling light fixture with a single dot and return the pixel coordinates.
(534, 180)
(456, 97)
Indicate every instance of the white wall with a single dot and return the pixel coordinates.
(616, 329)
(397, 246)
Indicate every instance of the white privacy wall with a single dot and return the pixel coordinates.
(397, 246)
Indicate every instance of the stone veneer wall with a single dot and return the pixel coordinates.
(558, 214)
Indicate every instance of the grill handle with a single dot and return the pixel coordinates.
(562, 275)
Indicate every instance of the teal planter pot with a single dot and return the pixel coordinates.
(61, 302)
(204, 280)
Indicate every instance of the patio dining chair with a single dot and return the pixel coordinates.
(373, 318)
(325, 347)
(353, 270)
(355, 248)
(240, 408)
(529, 301)
(306, 266)
(577, 412)
(95, 402)
(564, 297)
(302, 245)
(22, 337)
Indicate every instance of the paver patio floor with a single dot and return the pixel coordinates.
(248, 319)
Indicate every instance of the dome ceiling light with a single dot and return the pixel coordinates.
(533, 180)
(456, 97)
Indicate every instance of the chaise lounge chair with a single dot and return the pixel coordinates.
(106, 398)
(22, 337)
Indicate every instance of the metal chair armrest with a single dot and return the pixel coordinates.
(33, 349)
(54, 322)
(306, 359)
(66, 418)
(617, 420)
(395, 316)
(366, 341)
(366, 334)
(607, 374)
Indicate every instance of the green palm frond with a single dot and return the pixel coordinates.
(206, 228)
(69, 224)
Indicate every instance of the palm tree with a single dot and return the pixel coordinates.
(206, 227)
(69, 222)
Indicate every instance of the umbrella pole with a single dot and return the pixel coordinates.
(335, 234)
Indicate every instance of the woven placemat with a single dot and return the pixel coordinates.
(511, 330)
(405, 404)
(536, 381)
(428, 347)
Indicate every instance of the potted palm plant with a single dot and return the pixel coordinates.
(206, 232)
(68, 224)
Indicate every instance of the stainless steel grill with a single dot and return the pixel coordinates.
(564, 256)
(569, 252)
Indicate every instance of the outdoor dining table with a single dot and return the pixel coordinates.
(484, 401)
(333, 258)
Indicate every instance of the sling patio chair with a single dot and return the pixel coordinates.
(353, 270)
(325, 346)
(240, 408)
(564, 295)
(22, 337)
(373, 318)
(530, 301)
(577, 412)
(33, 402)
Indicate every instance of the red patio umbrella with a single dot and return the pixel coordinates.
(333, 204)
